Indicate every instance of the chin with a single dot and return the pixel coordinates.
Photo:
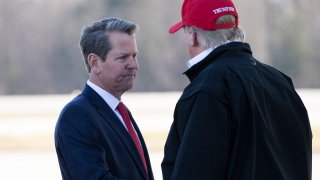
(129, 87)
(123, 87)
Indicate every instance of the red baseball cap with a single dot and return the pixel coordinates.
(204, 14)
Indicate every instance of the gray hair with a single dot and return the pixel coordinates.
(211, 39)
(95, 38)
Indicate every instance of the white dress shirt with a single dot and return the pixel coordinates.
(199, 57)
(108, 98)
(202, 55)
(111, 101)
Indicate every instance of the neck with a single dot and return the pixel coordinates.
(112, 92)
(194, 51)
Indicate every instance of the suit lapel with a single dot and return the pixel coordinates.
(107, 113)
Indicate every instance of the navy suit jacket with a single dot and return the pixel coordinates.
(92, 143)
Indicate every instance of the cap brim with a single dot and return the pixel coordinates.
(176, 27)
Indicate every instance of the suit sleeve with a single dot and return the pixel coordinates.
(203, 152)
(77, 144)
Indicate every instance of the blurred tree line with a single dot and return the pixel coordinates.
(39, 51)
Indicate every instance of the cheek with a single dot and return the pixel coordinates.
(106, 72)
(114, 73)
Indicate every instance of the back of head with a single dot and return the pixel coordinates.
(95, 38)
(211, 39)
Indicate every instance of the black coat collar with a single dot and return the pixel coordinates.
(219, 52)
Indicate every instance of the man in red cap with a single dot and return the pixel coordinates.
(238, 119)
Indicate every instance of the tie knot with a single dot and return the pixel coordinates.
(121, 108)
(120, 105)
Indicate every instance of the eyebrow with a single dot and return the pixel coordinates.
(126, 54)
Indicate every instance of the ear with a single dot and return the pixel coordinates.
(93, 61)
(194, 39)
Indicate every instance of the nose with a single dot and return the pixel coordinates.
(133, 63)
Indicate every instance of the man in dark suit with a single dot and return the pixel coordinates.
(96, 136)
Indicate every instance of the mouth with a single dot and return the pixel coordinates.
(131, 76)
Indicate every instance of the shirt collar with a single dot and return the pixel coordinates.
(202, 55)
(199, 57)
(106, 96)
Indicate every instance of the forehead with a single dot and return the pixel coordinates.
(122, 41)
